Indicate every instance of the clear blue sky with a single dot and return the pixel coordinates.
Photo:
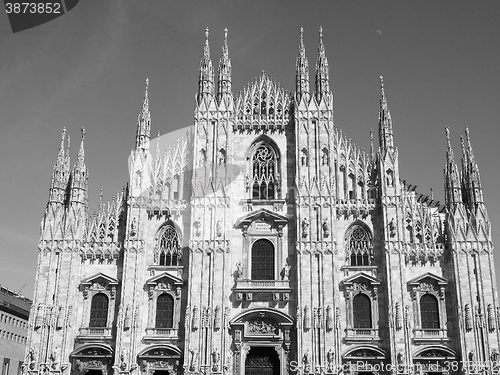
(440, 61)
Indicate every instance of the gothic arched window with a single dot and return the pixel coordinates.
(429, 312)
(99, 311)
(164, 311)
(264, 164)
(359, 246)
(362, 311)
(169, 247)
(262, 260)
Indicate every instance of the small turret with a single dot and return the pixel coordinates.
(224, 82)
(302, 71)
(322, 71)
(144, 123)
(60, 174)
(206, 81)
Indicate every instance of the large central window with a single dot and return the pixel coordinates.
(429, 312)
(358, 246)
(362, 311)
(264, 172)
(164, 311)
(99, 311)
(262, 260)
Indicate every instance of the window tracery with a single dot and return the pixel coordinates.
(264, 174)
(359, 246)
(169, 250)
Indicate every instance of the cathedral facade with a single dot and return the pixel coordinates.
(265, 241)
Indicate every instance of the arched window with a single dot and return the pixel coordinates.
(99, 311)
(264, 163)
(429, 312)
(362, 311)
(262, 260)
(359, 246)
(169, 247)
(164, 311)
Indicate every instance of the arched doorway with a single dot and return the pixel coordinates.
(262, 360)
(92, 359)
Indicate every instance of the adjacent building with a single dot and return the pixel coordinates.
(14, 315)
(265, 242)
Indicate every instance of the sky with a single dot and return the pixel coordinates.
(440, 62)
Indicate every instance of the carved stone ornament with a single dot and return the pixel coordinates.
(305, 227)
(329, 318)
(307, 318)
(197, 227)
(194, 323)
(399, 316)
(262, 327)
(468, 317)
(326, 228)
(215, 360)
(217, 318)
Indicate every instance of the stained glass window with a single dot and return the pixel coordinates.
(264, 173)
(359, 246)
(169, 247)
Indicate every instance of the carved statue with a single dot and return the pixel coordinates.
(303, 157)
(330, 357)
(494, 357)
(194, 359)
(305, 226)
(222, 156)
(133, 227)
(239, 270)
(219, 228)
(286, 271)
(307, 362)
(215, 360)
(31, 356)
(326, 228)
(54, 358)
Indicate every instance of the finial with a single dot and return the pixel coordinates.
(448, 137)
(83, 134)
(206, 34)
(68, 143)
(463, 144)
(301, 35)
(382, 83)
(225, 34)
(63, 136)
(320, 32)
(432, 194)
(467, 134)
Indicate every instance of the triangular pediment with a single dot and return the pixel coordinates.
(437, 279)
(99, 278)
(262, 214)
(361, 277)
(164, 278)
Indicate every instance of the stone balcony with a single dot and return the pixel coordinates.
(437, 334)
(362, 334)
(95, 333)
(161, 334)
(251, 290)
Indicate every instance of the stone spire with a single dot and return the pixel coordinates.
(301, 71)
(60, 173)
(470, 175)
(79, 178)
(224, 83)
(144, 123)
(322, 73)
(453, 191)
(206, 81)
(384, 121)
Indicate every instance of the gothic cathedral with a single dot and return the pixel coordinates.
(265, 242)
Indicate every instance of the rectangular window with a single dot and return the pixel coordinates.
(5, 367)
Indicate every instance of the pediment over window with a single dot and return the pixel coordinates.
(365, 352)
(262, 215)
(426, 278)
(434, 353)
(164, 281)
(99, 281)
(361, 279)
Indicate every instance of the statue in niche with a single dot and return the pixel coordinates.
(54, 358)
(326, 228)
(307, 362)
(222, 156)
(215, 360)
(219, 228)
(133, 227)
(390, 178)
(305, 226)
(239, 270)
(330, 357)
(286, 272)
(324, 156)
(202, 158)
(194, 360)
(303, 157)
(494, 357)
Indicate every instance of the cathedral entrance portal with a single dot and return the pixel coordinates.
(262, 361)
